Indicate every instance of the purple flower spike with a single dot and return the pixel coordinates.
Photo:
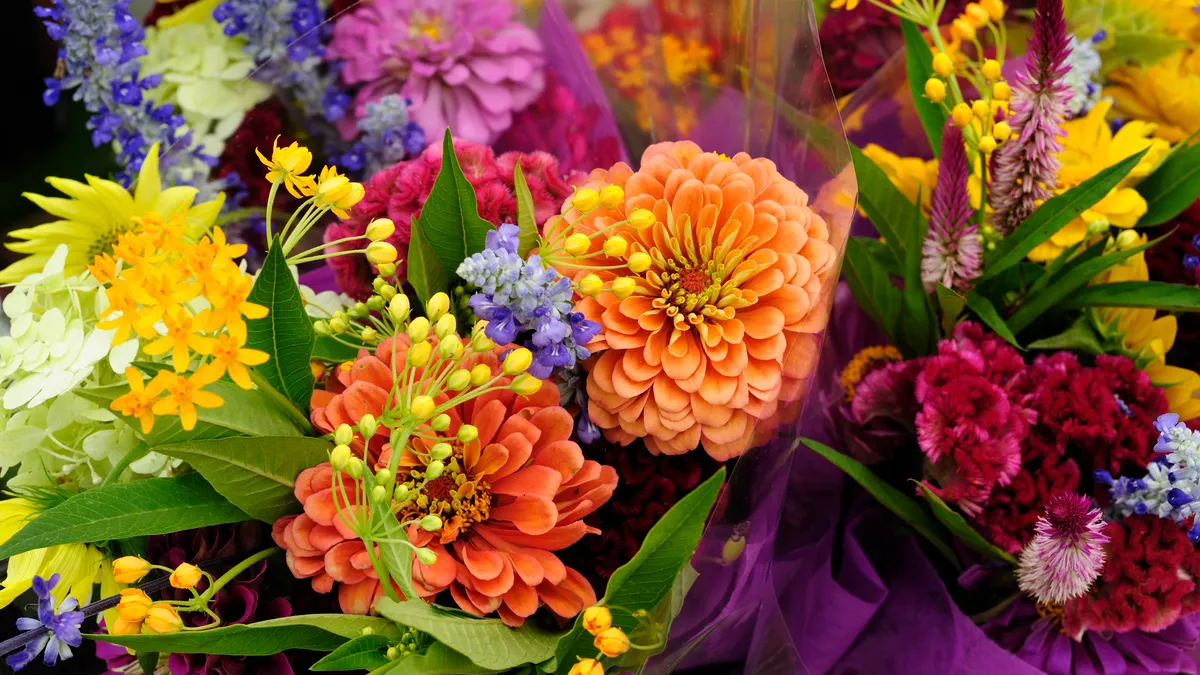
(952, 254)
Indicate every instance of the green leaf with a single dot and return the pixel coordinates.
(397, 557)
(333, 350)
(285, 333)
(1172, 187)
(907, 508)
(314, 632)
(255, 474)
(917, 330)
(486, 642)
(437, 660)
(254, 412)
(890, 211)
(1073, 278)
(1054, 215)
(365, 652)
(148, 661)
(952, 305)
(872, 288)
(987, 313)
(959, 528)
(919, 65)
(121, 511)
(646, 580)
(526, 218)
(426, 273)
(1081, 336)
(663, 615)
(1151, 294)
(450, 215)
(882, 254)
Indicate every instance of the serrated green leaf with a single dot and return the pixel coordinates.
(987, 313)
(907, 508)
(646, 580)
(437, 660)
(254, 412)
(1172, 187)
(425, 272)
(890, 211)
(1073, 278)
(526, 216)
(255, 474)
(314, 632)
(124, 510)
(285, 333)
(959, 528)
(450, 216)
(872, 288)
(1055, 214)
(488, 643)
(919, 66)
(1151, 294)
(365, 652)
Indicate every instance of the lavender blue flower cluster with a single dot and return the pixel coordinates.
(518, 296)
(101, 44)
(1171, 486)
(387, 136)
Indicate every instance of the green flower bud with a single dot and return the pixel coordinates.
(434, 469)
(392, 653)
(468, 433)
(441, 422)
(399, 307)
(426, 556)
(343, 435)
(367, 426)
(440, 451)
(369, 335)
(387, 292)
(376, 303)
(383, 476)
(386, 270)
(401, 493)
(418, 329)
(378, 494)
(338, 325)
(367, 631)
(446, 325)
(354, 467)
(358, 311)
(322, 328)
(458, 380)
(450, 346)
(431, 523)
(339, 457)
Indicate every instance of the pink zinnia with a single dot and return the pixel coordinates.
(952, 255)
(1025, 169)
(466, 64)
(1067, 554)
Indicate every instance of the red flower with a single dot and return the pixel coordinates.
(1148, 583)
(259, 128)
(1009, 515)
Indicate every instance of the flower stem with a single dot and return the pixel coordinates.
(271, 206)
(236, 570)
(130, 457)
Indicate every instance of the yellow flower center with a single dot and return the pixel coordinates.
(449, 496)
(863, 363)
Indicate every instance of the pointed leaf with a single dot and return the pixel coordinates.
(365, 652)
(883, 254)
(285, 333)
(437, 660)
(952, 305)
(646, 580)
(872, 288)
(959, 528)
(314, 632)
(890, 211)
(148, 661)
(987, 313)
(425, 272)
(486, 642)
(1055, 214)
(1152, 294)
(907, 508)
(255, 474)
(526, 218)
(919, 65)
(335, 350)
(450, 215)
(124, 510)
(1173, 186)
(1081, 336)
(917, 329)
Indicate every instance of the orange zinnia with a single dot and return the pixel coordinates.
(721, 325)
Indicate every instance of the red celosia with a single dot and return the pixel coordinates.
(1149, 581)
(1009, 515)
(1137, 403)
(399, 192)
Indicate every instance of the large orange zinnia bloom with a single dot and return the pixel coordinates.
(722, 324)
(508, 500)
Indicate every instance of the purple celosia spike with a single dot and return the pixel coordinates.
(1067, 553)
(952, 254)
(1025, 169)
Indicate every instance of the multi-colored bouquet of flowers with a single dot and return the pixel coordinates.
(1028, 408)
(372, 354)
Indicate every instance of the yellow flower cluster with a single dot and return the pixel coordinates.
(567, 246)
(198, 295)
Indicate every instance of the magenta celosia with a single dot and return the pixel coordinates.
(399, 192)
(1025, 169)
(466, 64)
(1067, 554)
(952, 254)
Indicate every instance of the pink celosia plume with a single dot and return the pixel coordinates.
(1067, 553)
(952, 255)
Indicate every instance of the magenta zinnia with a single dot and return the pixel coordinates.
(1067, 553)
(1025, 169)
(952, 255)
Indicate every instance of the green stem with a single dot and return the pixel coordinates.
(317, 249)
(271, 205)
(130, 457)
(236, 570)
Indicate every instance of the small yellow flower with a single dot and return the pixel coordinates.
(987, 145)
(517, 361)
(935, 90)
(134, 605)
(183, 395)
(526, 384)
(381, 253)
(162, 618)
(130, 569)
(1001, 91)
(182, 336)
(592, 666)
(120, 626)
(228, 293)
(229, 356)
(596, 619)
(288, 163)
(129, 317)
(943, 65)
(336, 191)
(847, 4)
(612, 642)
(962, 115)
(186, 575)
(138, 403)
(380, 229)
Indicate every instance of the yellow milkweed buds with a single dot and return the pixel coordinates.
(480, 374)
(441, 422)
(467, 433)
(612, 196)
(980, 109)
(615, 247)
(586, 199)
(623, 287)
(378, 494)
(367, 426)
(577, 244)
(587, 667)
(526, 384)
(431, 523)
(434, 469)
(994, 8)
(642, 219)
(962, 29)
(447, 325)
(590, 285)
(343, 435)
(380, 229)
(369, 335)
(422, 407)
(354, 467)
(596, 619)
(339, 457)
(987, 144)
(418, 354)
(1127, 240)
(991, 69)
(977, 15)
(387, 270)
(943, 65)
(612, 642)
(1001, 131)
(418, 329)
(961, 115)
(130, 569)
(134, 605)
(383, 475)
(458, 380)
(1001, 91)
(480, 343)
(935, 90)
(185, 576)
(438, 305)
(379, 252)
(426, 557)
(162, 618)
(639, 262)
(122, 626)
(517, 361)
(441, 451)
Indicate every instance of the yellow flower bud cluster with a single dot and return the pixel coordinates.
(576, 246)
(139, 613)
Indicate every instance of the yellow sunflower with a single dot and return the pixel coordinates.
(1163, 93)
(95, 213)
